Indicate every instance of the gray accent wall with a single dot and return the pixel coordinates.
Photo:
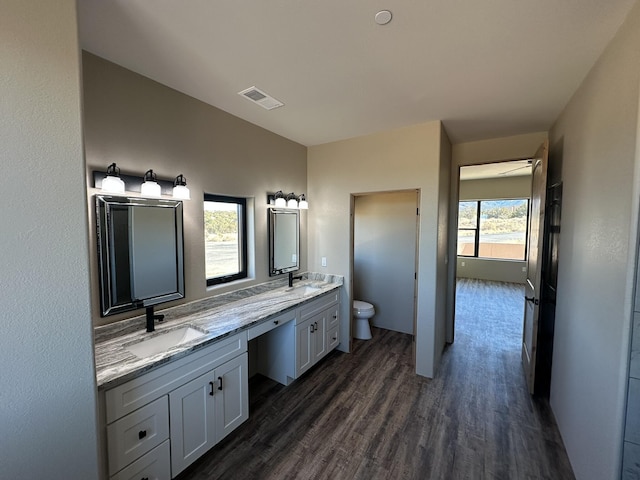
(141, 124)
(595, 140)
(48, 425)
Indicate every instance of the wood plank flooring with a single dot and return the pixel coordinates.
(366, 415)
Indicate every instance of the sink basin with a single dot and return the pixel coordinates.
(164, 341)
(303, 290)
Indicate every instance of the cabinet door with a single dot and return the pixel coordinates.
(192, 419)
(319, 336)
(231, 395)
(304, 346)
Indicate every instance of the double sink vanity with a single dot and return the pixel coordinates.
(168, 396)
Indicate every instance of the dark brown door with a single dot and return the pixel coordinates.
(534, 264)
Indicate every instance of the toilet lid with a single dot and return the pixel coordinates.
(360, 306)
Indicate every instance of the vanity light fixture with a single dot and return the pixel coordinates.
(150, 187)
(292, 200)
(280, 201)
(180, 189)
(112, 183)
(289, 200)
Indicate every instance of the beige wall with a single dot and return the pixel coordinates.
(496, 188)
(516, 147)
(141, 124)
(595, 141)
(48, 398)
(406, 158)
(444, 295)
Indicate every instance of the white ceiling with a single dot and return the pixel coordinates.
(487, 68)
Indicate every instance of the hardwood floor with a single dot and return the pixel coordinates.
(366, 415)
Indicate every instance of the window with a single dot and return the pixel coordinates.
(493, 229)
(225, 238)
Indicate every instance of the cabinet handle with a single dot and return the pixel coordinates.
(219, 383)
(211, 391)
(335, 337)
(276, 322)
(335, 315)
(144, 478)
(142, 434)
(316, 325)
(312, 328)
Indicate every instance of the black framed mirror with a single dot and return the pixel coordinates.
(140, 252)
(284, 241)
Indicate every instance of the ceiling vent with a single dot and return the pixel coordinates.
(261, 98)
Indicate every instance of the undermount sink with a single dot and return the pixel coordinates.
(303, 290)
(164, 341)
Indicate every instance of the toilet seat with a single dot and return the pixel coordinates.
(364, 309)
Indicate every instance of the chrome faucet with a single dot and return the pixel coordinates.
(292, 278)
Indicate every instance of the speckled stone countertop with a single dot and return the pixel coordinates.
(219, 316)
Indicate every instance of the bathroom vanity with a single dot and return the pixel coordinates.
(161, 412)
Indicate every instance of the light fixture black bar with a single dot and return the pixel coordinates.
(132, 183)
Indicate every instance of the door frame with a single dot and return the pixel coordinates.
(454, 200)
(352, 205)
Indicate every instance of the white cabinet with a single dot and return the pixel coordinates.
(137, 433)
(155, 465)
(287, 352)
(206, 410)
(311, 343)
(160, 422)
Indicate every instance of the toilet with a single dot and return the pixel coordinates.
(362, 312)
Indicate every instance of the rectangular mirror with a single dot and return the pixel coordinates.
(140, 252)
(284, 241)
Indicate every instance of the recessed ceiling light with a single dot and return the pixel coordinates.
(383, 17)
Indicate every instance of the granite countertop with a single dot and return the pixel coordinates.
(219, 316)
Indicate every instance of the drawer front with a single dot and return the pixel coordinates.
(136, 434)
(270, 324)
(130, 396)
(333, 338)
(333, 316)
(318, 305)
(155, 465)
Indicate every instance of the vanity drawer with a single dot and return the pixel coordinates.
(333, 338)
(154, 465)
(270, 324)
(136, 434)
(333, 316)
(318, 305)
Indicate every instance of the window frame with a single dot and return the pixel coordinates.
(476, 229)
(476, 245)
(242, 234)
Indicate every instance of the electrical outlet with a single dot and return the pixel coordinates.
(462, 264)
(524, 269)
(324, 261)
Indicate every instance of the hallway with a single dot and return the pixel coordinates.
(366, 415)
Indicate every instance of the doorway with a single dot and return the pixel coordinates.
(491, 251)
(492, 185)
(385, 232)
